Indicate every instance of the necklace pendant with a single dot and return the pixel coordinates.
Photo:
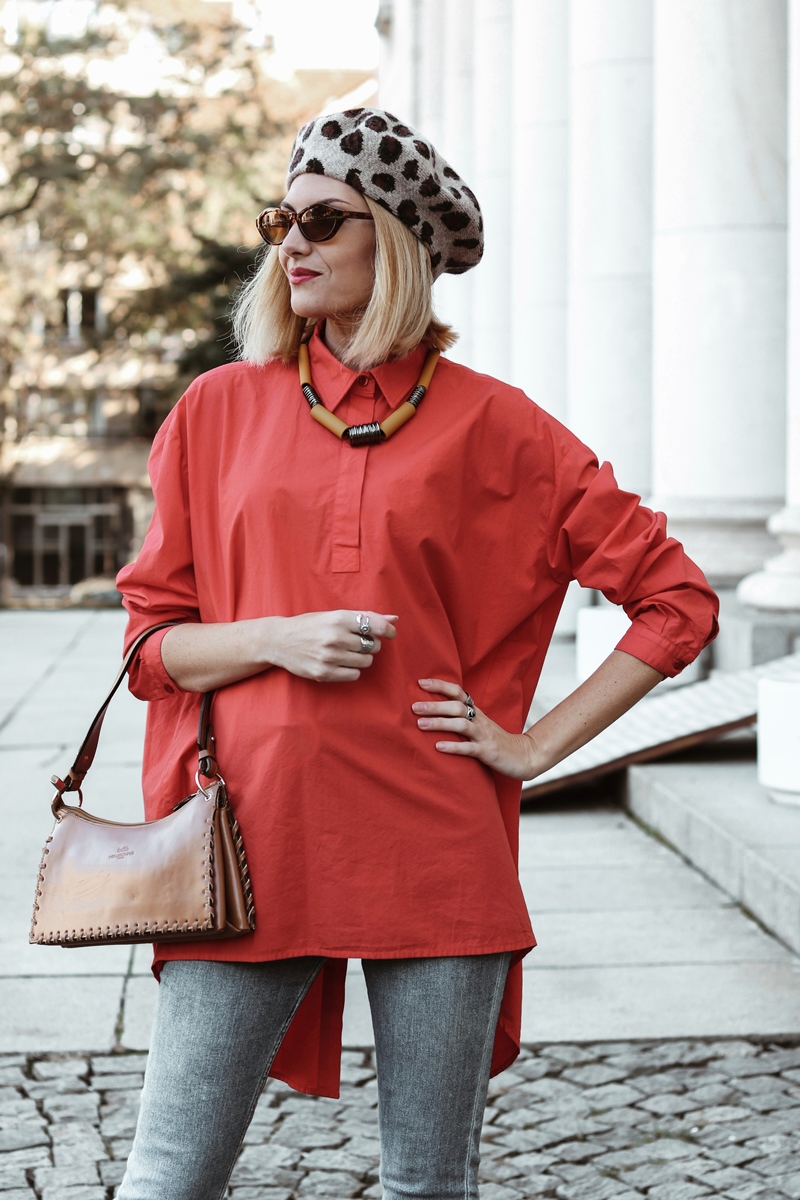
(365, 435)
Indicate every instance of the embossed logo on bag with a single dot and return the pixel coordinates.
(122, 852)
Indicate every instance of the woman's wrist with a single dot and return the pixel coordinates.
(538, 757)
(266, 641)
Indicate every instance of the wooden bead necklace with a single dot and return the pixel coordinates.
(371, 434)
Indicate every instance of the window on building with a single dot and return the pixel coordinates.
(60, 536)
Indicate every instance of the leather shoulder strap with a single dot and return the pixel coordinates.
(85, 756)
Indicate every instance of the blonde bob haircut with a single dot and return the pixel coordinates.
(398, 317)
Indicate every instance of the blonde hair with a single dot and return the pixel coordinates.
(398, 316)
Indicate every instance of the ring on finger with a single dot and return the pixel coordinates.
(367, 644)
(362, 620)
(469, 704)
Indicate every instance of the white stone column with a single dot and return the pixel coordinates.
(430, 89)
(777, 586)
(493, 95)
(610, 233)
(453, 294)
(398, 57)
(719, 276)
(540, 110)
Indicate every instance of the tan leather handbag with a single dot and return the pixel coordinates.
(181, 878)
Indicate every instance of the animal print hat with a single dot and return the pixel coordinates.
(378, 155)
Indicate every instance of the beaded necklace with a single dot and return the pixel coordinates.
(371, 434)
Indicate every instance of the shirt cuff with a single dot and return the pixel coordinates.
(667, 657)
(147, 675)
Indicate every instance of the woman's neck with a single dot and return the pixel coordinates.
(337, 335)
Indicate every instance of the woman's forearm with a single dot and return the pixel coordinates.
(617, 684)
(202, 657)
(323, 646)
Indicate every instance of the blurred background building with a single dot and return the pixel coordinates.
(138, 141)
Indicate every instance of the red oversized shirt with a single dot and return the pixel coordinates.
(362, 839)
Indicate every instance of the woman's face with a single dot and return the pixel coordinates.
(330, 280)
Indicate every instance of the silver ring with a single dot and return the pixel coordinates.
(363, 624)
(367, 645)
(469, 704)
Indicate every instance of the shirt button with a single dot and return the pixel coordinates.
(678, 666)
(362, 380)
(168, 687)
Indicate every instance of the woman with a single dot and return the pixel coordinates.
(375, 612)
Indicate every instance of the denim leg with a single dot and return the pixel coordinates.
(434, 1022)
(218, 1027)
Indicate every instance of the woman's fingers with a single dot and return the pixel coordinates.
(444, 708)
(478, 737)
(381, 625)
(449, 716)
(453, 690)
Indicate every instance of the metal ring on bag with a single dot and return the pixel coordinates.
(217, 779)
(367, 645)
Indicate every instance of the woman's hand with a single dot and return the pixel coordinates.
(509, 753)
(617, 684)
(326, 646)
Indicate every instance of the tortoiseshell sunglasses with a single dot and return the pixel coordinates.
(317, 223)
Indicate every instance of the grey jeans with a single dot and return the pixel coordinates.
(219, 1025)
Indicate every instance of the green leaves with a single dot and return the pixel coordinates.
(135, 150)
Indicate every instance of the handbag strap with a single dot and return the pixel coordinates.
(85, 757)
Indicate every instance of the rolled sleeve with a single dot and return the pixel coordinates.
(606, 539)
(160, 585)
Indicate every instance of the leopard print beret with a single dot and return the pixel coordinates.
(375, 153)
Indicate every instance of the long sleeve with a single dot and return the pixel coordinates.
(606, 539)
(160, 584)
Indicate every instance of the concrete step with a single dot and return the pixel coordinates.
(722, 821)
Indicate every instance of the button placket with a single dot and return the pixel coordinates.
(346, 531)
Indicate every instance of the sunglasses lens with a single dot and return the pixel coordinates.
(273, 225)
(319, 222)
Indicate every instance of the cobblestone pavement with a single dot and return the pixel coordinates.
(665, 1120)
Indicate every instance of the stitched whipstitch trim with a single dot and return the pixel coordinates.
(244, 871)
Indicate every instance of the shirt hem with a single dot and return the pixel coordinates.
(208, 951)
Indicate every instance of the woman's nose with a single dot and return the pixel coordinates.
(294, 243)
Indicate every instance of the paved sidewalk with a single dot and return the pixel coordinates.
(667, 1121)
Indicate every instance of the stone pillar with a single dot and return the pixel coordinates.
(610, 233)
(429, 115)
(539, 201)
(453, 294)
(719, 276)
(777, 586)
(398, 57)
(493, 96)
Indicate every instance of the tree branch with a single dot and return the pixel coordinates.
(21, 208)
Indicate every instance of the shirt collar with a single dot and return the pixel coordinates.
(333, 380)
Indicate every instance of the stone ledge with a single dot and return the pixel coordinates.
(721, 820)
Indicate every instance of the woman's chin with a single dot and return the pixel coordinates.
(309, 311)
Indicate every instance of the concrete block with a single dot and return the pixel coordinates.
(76, 1014)
(719, 1000)
(772, 895)
(357, 1026)
(634, 888)
(141, 994)
(717, 816)
(653, 936)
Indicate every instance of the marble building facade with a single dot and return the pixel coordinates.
(638, 163)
